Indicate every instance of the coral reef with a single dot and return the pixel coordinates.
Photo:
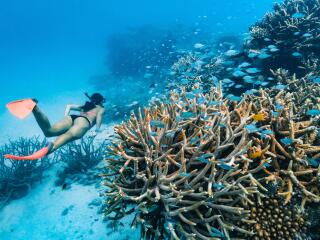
(80, 160)
(194, 165)
(18, 177)
(288, 35)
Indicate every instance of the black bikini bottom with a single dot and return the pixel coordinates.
(74, 117)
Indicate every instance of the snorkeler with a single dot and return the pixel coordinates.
(70, 128)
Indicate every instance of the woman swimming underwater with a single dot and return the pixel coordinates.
(70, 128)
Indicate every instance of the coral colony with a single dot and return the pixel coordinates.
(206, 163)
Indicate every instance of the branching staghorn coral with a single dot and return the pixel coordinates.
(79, 159)
(194, 165)
(290, 34)
(18, 177)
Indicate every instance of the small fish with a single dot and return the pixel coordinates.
(314, 162)
(264, 55)
(190, 95)
(274, 50)
(252, 128)
(218, 186)
(298, 15)
(251, 91)
(154, 134)
(216, 233)
(215, 103)
(259, 117)
(280, 86)
(238, 73)
(225, 166)
(316, 80)
(234, 98)
(267, 132)
(238, 86)
(184, 174)
(156, 123)
(307, 35)
(194, 140)
(297, 54)
(203, 160)
(244, 65)
(252, 55)
(252, 70)
(201, 100)
(296, 33)
(148, 75)
(266, 165)
(286, 141)
(275, 114)
(248, 79)
(313, 112)
(187, 115)
(227, 80)
(232, 53)
(267, 39)
(279, 106)
(184, 81)
(198, 46)
(272, 46)
(197, 91)
(255, 153)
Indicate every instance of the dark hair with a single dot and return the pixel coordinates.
(95, 99)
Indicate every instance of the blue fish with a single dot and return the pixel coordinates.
(296, 33)
(244, 65)
(197, 91)
(201, 100)
(215, 103)
(279, 106)
(158, 124)
(280, 86)
(203, 160)
(314, 162)
(275, 114)
(252, 128)
(190, 95)
(184, 81)
(297, 54)
(264, 56)
(218, 186)
(266, 165)
(216, 233)
(227, 80)
(225, 166)
(184, 174)
(252, 55)
(307, 35)
(298, 15)
(274, 50)
(248, 79)
(251, 91)
(316, 80)
(234, 98)
(194, 140)
(286, 141)
(154, 134)
(252, 70)
(238, 86)
(313, 112)
(267, 39)
(238, 73)
(187, 115)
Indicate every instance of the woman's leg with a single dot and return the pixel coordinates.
(57, 129)
(77, 131)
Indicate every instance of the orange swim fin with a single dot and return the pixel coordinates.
(37, 155)
(21, 108)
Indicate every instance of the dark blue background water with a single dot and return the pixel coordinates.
(50, 49)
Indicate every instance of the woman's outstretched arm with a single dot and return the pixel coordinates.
(70, 107)
(99, 119)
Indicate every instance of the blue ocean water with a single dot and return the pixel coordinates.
(52, 51)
